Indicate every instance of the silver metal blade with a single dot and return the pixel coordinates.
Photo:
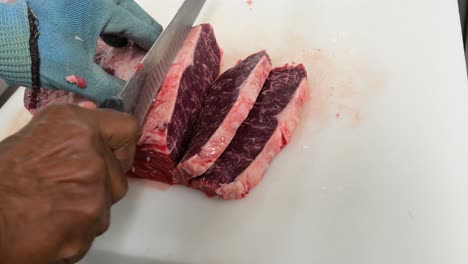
(141, 89)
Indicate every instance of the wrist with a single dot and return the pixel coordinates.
(4, 252)
(24, 230)
(4, 230)
(9, 219)
(2, 235)
(4, 203)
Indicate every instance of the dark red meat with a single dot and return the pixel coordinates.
(259, 139)
(169, 122)
(222, 134)
(227, 105)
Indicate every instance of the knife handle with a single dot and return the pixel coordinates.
(113, 103)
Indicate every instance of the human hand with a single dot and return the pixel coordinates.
(52, 43)
(69, 31)
(59, 177)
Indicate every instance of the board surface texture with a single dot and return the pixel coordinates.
(376, 174)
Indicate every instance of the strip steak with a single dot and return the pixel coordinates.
(169, 122)
(230, 100)
(267, 129)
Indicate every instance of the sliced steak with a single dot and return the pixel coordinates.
(121, 62)
(228, 103)
(169, 122)
(267, 129)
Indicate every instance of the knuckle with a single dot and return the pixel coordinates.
(70, 119)
(76, 250)
(103, 227)
(104, 224)
(86, 131)
(91, 211)
(124, 158)
(98, 164)
(95, 171)
(121, 191)
(124, 186)
(131, 123)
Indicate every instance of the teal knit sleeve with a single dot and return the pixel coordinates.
(15, 59)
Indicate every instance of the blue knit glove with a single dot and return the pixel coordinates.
(68, 34)
(15, 59)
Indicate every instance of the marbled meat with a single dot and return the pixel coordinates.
(267, 129)
(224, 109)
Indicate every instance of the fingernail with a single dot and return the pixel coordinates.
(88, 105)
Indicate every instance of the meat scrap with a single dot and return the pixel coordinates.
(168, 125)
(227, 105)
(79, 81)
(267, 129)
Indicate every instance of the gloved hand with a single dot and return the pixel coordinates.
(68, 34)
(59, 177)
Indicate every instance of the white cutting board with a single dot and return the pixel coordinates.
(377, 173)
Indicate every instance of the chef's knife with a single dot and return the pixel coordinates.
(140, 91)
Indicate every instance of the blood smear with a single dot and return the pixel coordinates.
(79, 81)
(249, 2)
(139, 67)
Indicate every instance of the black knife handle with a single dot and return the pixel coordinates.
(114, 103)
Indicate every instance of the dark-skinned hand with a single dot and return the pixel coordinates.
(59, 177)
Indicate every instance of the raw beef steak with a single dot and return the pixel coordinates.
(121, 62)
(169, 122)
(226, 106)
(260, 138)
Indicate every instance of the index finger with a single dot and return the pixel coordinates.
(134, 8)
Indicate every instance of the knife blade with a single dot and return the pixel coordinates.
(139, 92)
